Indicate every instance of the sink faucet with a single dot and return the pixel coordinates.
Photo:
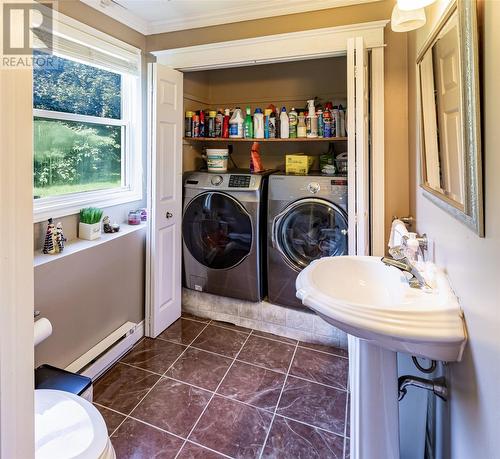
(405, 257)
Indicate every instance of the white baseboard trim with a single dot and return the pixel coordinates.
(93, 369)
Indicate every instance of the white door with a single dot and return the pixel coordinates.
(163, 301)
(358, 147)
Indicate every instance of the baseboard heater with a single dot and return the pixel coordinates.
(106, 352)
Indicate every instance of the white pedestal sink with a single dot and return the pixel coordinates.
(383, 315)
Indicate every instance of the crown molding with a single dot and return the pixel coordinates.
(235, 12)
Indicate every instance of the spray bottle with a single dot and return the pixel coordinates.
(312, 120)
(248, 125)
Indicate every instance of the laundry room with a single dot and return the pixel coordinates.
(250, 243)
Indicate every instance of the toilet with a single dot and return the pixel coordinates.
(69, 427)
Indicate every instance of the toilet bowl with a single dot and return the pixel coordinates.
(69, 427)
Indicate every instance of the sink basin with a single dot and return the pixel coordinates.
(374, 302)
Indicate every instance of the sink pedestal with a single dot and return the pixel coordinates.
(373, 382)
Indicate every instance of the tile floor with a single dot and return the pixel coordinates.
(206, 389)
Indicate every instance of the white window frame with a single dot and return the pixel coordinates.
(131, 119)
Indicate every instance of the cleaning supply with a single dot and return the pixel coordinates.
(311, 120)
(293, 121)
(319, 113)
(225, 123)
(272, 123)
(248, 126)
(219, 120)
(336, 121)
(327, 123)
(267, 115)
(298, 164)
(278, 124)
(217, 159)
(258, 124)
(236, 124)
(284, 126)
(342, 132)
(255, 158)
(188, 124)
(301, 126)
(196, 125)
(212, 115)
(202, 123)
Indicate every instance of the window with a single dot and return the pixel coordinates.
(87, 148)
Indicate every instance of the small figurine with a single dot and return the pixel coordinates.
(60, 239)
(108, 227)
(48, 245)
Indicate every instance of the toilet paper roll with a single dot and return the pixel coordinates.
(43, 329)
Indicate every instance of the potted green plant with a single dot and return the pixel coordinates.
(89, 227)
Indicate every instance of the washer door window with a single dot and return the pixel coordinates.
(217, 230)
(310, 229)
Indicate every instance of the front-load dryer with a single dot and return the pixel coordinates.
(222, 228)
(307, 220)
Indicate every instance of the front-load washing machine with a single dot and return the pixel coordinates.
(223, 224)
(307, 219)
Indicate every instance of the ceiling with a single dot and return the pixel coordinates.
(158, 16)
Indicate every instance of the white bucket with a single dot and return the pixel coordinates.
(217, 159)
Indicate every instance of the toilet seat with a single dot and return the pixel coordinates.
(69, 427)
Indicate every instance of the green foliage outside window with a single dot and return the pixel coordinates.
(76, 156)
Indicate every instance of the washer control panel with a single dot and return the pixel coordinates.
(239, 181)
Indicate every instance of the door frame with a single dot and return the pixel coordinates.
(302, 45)
(17, 411)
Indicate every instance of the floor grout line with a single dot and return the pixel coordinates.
(278, 403)
(272, 369)
(323, 352)
(215, 391)
(159, 379)
(274, 413)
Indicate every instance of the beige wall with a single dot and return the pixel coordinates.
(471, 262)
(396, 132)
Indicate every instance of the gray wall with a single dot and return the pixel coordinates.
(89, 294)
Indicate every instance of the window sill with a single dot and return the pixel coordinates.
(70, 205)
(77, 245)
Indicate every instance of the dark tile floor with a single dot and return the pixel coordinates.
(206, 389)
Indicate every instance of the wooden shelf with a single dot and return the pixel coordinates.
(225, 140)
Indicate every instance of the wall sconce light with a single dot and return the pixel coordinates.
(404, 21)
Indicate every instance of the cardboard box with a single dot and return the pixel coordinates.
(298, 164)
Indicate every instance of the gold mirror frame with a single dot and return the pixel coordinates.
(472, 211)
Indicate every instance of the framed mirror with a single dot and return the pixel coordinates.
(450, 115)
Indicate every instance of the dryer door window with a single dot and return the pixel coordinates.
(217, 230)
(310, 229)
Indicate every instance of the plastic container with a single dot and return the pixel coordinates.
(301, 126)
(236, 124)
(188, 124)
(217, 159)
(293, 120)
(248, 125)
(284, 124)
(312, 120)
(258, 124)
(211, 123)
